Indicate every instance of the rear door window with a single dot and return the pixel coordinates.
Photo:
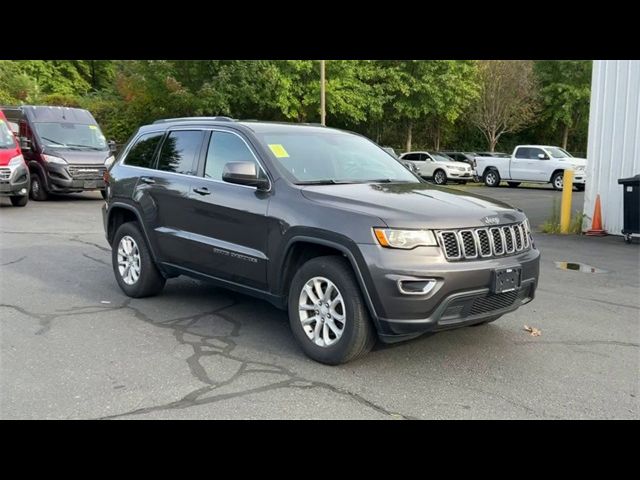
(180, 151)
(142, 154)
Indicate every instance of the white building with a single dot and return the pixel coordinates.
(613, 149)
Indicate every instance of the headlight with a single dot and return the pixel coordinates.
(52, 159)
(579, 168)
(109, 161)
(406, 239)
(17, 160)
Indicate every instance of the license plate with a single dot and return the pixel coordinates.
(91, 184)
(506, 279)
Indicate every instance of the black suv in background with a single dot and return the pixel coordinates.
(319, 221)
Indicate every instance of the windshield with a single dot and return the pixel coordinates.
(7, 139)
(557, 152)
(333, 157)
(71, 136)
(439, 157)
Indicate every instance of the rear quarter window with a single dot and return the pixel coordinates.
(142, 153)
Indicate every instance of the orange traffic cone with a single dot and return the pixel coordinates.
(596, 224)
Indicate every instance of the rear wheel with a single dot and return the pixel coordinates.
(327, 313)
(513, 184)
(38, 189)
(19, 201)
(439, 177)
(133, 266)
(580, 187)
(492, 178)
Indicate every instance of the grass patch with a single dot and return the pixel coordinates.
(552, 224)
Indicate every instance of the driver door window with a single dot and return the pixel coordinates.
(534, 152)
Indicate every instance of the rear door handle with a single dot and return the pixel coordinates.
(202, 191)
(147, 180)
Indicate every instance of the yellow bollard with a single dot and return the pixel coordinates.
(565, 209)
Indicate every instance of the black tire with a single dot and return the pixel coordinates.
(38, 189)
(488, 320)
(580, 187)
(557, 180)
(513, 184)
(150, 282)
(104, 194)
(358, 336)
(19, 201)
(440, 177)
(491, 178)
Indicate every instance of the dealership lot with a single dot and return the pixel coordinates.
(73, 346)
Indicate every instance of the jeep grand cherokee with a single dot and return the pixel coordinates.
(319, 221)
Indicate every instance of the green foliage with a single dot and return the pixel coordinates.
(552, 224)
(386, 100)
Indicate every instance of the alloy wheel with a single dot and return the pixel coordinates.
(128, 260)
(321, 311)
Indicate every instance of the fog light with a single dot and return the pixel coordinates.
(23, 191)
(416, 287)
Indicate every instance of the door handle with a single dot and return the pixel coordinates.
(202, 191)
(147, 180)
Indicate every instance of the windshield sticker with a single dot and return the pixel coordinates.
(93, 127)
(278, 150)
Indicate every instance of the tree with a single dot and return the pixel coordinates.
(507, 98)
(566, 93)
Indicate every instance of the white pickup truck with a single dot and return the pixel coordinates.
(532, 163)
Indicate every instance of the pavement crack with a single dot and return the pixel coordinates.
(91, 244)
(579, 343)
(13, 261)
(96, 260)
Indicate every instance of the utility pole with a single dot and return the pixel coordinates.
(323, 112)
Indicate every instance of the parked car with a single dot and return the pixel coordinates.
(14, 174)
(315, 220)
(408, 165)
(466, 157)
(532, 163)
(438, 167)
(64, 148)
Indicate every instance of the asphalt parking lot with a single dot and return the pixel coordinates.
(73, 346)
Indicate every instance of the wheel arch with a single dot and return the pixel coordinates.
(120, 213)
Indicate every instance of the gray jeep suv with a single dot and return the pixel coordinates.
(318, 221)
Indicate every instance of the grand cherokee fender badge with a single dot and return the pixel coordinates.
(491, 220)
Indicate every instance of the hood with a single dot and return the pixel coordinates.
(414, 205)
(453, 164)
(574, 161)
(79, 157)
(7, 154)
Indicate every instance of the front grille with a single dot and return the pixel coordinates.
(496, 301)
(470, 243)
(5, 174)
(86, 173)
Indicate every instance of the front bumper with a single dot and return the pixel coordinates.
(14, 181)
(74, 178)
(462, 295)
(459, 175)
(579, 178)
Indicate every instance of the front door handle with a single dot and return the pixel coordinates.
(202, 191)
(147, 180)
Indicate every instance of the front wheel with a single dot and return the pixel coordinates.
(492, 178)
(580, 187)
(327, 313)
(38, 189)
(557, 180)
(19, 201)
(133, 266)
(439, 177)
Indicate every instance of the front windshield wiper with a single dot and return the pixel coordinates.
(386, 180)
(326, 181)
(52, 140)
(85, 146)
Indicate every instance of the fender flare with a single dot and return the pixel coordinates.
(126, 206)
(347, 253)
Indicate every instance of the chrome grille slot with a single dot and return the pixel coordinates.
(508, 239)
(468, 243)
(497, 244)
(86, 173)
(472, 243)
(449, 241)
(5, 174)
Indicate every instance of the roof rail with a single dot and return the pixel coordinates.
(191, 119)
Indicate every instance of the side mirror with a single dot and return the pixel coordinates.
(244, 173)
(112, 146)
(25, 143)
(542, 156)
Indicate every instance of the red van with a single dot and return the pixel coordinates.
(14, 173)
